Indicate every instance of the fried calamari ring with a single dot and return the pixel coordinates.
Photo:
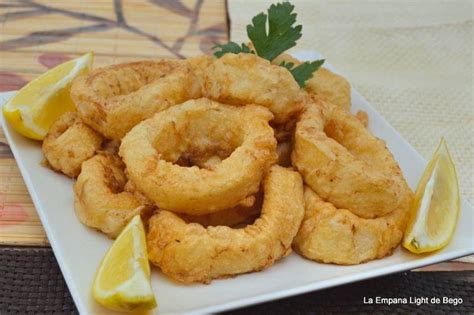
(114, 99)
(70, 142)
(245, 211)
(199, 65)
(332, 235)
(199, 129)
(324, 83)
(344, 163)
(192, 253)
(100, 201)
(241, 79)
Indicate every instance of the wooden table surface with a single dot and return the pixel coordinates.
(37, 35)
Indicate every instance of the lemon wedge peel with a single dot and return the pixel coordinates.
(436, 206)
(39, 103)
(135, 293)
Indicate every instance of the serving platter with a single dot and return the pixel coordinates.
(79, 249)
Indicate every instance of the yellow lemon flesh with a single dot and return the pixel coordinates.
(32, 111)
(436, 206)
(122, 282)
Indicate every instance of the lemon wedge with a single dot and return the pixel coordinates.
(122, 282)
(39, 103)
(435, 210)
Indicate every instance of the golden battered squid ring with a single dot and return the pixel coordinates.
(239, 136)
(344, 163)
(192, 253)
(112, 100)
(332, 235)
(70, 142)
(247, 210)
(100, 201)
(241, 79)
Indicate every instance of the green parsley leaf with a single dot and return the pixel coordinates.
(287, 65)
(281, 34)
(304, 71)
(231, 47)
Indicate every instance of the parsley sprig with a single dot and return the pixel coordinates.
(282, 35)
(304, 71)
(231, 47)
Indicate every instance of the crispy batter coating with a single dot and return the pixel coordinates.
(242, 79)
(197, 130)
(344, 163)
(199, 65)
(192, 253)
(247, 210)
(363, 118)
(325, 84)
(70, 142)
(100, 200)
(332, 235)
(114, 99)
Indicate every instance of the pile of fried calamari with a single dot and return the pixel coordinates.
(230, 163)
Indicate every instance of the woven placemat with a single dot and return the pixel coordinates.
(31, 283)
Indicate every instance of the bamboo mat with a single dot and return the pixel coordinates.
(37, 35)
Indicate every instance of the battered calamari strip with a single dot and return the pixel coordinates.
(114, 99)
(345, 164)
(242, 79)
(100, 200)
(196, 130)
(70, 142)
(192, 253)
(332, 235)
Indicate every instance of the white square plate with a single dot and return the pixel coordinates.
(79, 249)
